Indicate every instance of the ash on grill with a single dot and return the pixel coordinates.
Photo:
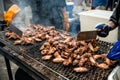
(64, 49)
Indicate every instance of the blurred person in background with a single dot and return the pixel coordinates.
(99, 4)
(78, 6)
(74, 7)
(88, 2)
(46, 12)
(111, 4)
(105, 28)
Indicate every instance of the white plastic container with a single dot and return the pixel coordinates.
(89, 19)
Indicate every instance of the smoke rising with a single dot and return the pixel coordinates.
(44, 12)
(23, 18)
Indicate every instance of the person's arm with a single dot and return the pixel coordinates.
(114, 19)
(104, 29)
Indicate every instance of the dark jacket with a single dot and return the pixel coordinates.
(49, 12)
(97, 3)
(115, 17)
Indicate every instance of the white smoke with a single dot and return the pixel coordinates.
(23, 18)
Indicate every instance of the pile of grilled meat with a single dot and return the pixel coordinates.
(63, 48)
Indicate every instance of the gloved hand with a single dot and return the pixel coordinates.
(114, 53)
(103, 30)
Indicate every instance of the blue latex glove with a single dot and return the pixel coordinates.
(103, 30)
(114, 53)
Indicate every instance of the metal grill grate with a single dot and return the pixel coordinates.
(33, 51)
(93, 74)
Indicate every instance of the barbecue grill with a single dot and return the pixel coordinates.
(28, 57)
(30, 54)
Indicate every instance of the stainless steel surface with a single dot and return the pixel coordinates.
(114, 75)
(86, 35)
